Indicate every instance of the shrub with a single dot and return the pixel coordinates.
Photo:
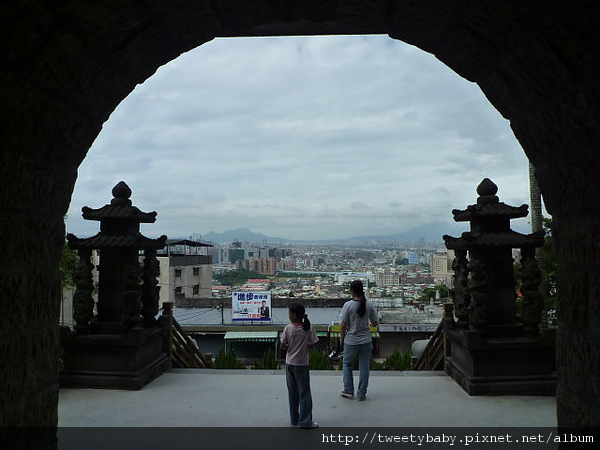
(269, 361)
(398, 360)
(373, 366)
(227, 360)
(376, 365)
(318, 361)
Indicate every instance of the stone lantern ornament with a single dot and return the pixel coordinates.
(119, 346)
(494, 350)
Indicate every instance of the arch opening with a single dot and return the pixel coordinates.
(66, 68)
(286, 136)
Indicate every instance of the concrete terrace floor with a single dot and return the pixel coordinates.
(249, 398)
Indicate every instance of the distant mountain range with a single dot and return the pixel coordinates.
(240, 234)
(430, 232)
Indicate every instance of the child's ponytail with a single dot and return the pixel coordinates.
(305, 322)
(298, 310)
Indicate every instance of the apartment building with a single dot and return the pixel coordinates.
(387, 278)
(267, 266)
(441, 267)
(185, 270)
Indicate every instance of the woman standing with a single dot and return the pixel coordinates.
(356, 338)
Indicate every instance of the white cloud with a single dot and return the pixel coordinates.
(301, 138)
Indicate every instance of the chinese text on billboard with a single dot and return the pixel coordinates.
(255, 306)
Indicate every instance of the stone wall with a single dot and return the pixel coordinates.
(66, 65)
(578, 339)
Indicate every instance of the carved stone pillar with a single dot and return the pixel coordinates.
(115, 349)
(150, 288)
(462, 296)
(83, 302)
(132, 297)
(492, 287)
(498, 352)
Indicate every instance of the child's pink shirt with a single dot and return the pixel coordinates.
(297, 340)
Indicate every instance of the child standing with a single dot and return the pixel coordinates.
(296, 338)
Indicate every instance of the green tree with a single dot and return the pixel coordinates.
(67, 267)
(68, 264)
(236, 277)
(430, 292)
(547, 262)
(538, 224)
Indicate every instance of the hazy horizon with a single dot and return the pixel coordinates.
(301, 137)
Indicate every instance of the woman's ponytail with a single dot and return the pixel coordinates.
(362, 308)
(357, 288)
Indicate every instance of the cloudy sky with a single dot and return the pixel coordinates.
(301, 138)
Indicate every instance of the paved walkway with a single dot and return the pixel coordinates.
(249, 398)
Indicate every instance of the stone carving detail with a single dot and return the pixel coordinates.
(488, 300)
(478, 283)
(150, 288)
(117, 351)
(462, 296)
(83, 302)
(119, 241)
(132, 296)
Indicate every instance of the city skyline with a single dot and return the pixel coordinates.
(304, 138)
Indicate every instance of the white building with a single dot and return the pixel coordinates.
(387, 278)
(348, 277)
(441, 267)
(185, 270)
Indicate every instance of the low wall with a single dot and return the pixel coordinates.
(276, 302)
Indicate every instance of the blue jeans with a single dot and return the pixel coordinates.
(364, 363)
(298, 384)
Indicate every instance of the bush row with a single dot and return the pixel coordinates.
(317, 361)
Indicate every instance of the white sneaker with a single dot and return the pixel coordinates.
(346, 394)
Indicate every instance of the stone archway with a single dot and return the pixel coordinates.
(67, 65)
